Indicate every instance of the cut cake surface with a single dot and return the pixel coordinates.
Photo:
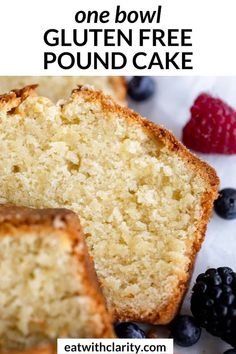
(60, 87)
(48, 285)
(143, 199)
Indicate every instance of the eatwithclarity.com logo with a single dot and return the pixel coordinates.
(106, 346)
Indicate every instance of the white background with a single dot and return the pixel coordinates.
(24, 22)
(170, 107)
(22, 26)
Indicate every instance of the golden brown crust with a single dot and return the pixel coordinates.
(201, 168)
(19, 215)
(15, 97)
(29, 218)
(119, 86)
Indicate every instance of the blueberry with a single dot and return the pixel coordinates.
(230, 351)
(128, 330)
(225, 205)
(185, 331)
(140, 88)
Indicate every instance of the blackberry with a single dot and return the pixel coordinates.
(213, 303)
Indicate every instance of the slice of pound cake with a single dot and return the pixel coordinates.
(48, 287)
(143, 199)
(59, 87)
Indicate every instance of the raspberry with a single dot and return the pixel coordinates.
(212, 127)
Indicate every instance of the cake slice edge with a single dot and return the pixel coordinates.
(207, 173)
(13, 218)
(202, 168)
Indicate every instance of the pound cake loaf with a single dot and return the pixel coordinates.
(48, 287)
(59, 87)
(143, 199)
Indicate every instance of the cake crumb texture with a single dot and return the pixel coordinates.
(143, 199)
(47, 288)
